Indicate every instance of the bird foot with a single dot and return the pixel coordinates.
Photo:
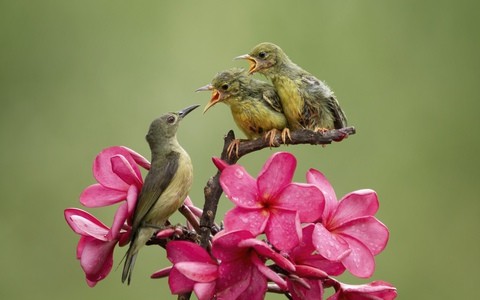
(321, 130)
(233, 147)
(270, 136)
(285, 134)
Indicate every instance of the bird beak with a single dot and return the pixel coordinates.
(204, 88)
(216, 97)
(187, 110)
(251, 61)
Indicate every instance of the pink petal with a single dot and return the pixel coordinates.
(161, 273)
(132, 197)
(197, 271)
(320, 181)
(276, 174)
(310, 272)
(85, 224)
(299, 292)
(97, 195)
(240, 187)
(204, 291)
(181, 251)
(357, 204)
(269, 273)
(118, 222)
(97, 259)
(103, 172)
(283, 229)
(256, 288)
(253, 220)
(360, 261)
(122, 168)
(374, 290)
(368, 230)
(266, 251)
(225, 245)
(234, 278)
(139, 159)
(220, 164)
(328, 245)
(306, 199)
(178, 283)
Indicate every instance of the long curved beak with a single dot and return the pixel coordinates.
(251, 61)
(187, 110)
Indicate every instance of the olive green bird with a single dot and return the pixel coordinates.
(307, 101)
(166, 185)
(254, 104)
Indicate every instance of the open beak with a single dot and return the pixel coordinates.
(215, 96)
(251, 61)
(187, 110)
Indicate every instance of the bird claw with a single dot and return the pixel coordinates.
(321, 130)
(270, 136)
(285, 134)
(233, 147)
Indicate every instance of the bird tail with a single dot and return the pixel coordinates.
(130, 258)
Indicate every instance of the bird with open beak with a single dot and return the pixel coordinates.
(254, 104)
(307, 101)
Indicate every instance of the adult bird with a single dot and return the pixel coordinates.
(307, 101)
(254, 104)
(166, 185)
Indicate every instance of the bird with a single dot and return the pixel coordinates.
(166, 185)
(254, 104)
(307, 101)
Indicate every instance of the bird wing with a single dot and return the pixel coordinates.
(156, 181)
(340, 120)
(272, 99)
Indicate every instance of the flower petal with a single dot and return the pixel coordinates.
(118, 221)
(253, 220)
(276, 174)
(139, 159)
(360, 261)
(225, 245)
(97, 259)
(204, 291)
(266, 251)
(354, 205)
(103, 172)
(179, 283)
(328, 245)
(239, 186)
(162, 273)
(283, 229)
(122, 168)
(234, 277)
(306, 199)
(320, 181)
(198, 271)
(97, 195)
(300, 292)
(183, 251)
(368, 230)
(269, 273)
(85, 224)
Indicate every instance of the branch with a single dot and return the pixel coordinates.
(213, 190)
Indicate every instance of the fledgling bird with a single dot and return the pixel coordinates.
(307, 101)
(254, 104)
(166, 185)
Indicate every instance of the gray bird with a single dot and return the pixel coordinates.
(166, 185)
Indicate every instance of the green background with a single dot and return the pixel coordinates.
(79, 76)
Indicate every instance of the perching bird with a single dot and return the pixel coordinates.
(307, 101)
(166, 184)
(254, 104)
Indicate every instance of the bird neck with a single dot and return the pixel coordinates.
(164, 147)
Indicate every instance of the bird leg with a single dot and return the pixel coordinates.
(285, 134)
(270, 136)
(233, 147)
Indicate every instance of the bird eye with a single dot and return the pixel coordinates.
(262, 54)
(225, 87)
(171, 119)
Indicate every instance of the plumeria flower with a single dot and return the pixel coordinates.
(117, 172)
(348, 231)
(193, 269)
(242, 273)
(378, 290)
(270, 204)
(97, 242)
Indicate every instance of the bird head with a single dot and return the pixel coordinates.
(264, 57)
(225, 86)
(166, 125)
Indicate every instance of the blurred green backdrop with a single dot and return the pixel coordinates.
(79, 76)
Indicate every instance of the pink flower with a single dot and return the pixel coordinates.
(97, 242)
(348, 231)
(379, 290)
(270, 204)
(242, 273)
(193, 269)
(119, 178)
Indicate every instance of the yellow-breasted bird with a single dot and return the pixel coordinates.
(254, 104)
(307, 101)
(166, 185)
